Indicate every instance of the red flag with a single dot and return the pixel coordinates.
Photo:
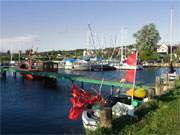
(74, 113)
(86, 94)
(131, 60)
(95, 99)
(79, 100)
(75, 91)
(130, 75)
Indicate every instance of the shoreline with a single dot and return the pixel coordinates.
(176, 65)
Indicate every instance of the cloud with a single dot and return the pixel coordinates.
(19, 42)
(14, 40)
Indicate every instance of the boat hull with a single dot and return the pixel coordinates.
(27, 76)
(102, 68)
(81, 67)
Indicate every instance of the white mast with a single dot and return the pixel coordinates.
(171, 34)
(11, 51)
(122, 40)
(125, 41)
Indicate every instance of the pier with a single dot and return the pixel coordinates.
(71, 77)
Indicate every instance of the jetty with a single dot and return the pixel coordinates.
(71, 77)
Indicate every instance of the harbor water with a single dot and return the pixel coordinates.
(29, 107)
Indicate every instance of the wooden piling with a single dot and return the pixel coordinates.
(82, 85)
(14, 74)
(151, 93)
(111, 91)
(171, 84)
(106, 117)
(3, 75)
(166, 79)
(157, 86)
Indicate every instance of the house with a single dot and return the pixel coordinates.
(163, 48)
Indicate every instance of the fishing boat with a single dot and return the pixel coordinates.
(81, 65)
(38, 66)
(27, 66)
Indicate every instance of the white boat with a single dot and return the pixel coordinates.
(125, 66)
(89, 120)
(120, 109)
(81, 65)
(69, 63)
(172, 76)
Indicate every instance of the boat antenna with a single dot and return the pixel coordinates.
(134, 82)
(100, 88)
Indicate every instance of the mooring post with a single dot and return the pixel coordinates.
(166, 79)
(106, 117)
(151, 92)
(82, 85)
(157, 86)
(23, 79)
(14, 74)
(4, 75)
(171, 84)
(111, 90)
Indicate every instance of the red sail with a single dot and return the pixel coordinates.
(131, 60)
(130, 75)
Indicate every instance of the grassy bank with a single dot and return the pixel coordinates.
(159, 116)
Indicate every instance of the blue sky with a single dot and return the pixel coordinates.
(62, 25)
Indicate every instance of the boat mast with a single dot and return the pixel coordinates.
(11, 53)
(125, 42)
(122, 38)
(171, 34)
(92, 37)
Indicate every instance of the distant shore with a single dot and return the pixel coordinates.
(177, 65)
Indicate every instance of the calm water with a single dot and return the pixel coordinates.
(30, 107)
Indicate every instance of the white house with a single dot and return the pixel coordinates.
(162, 48)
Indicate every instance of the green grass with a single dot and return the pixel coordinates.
(159, 116)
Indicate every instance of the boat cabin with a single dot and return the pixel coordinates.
(46, 66)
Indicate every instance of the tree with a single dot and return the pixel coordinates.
(146, 39)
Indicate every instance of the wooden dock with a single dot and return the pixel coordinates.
(71, 77)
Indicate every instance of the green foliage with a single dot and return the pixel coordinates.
(147, 37)
(148, 55)
(166, 58)
(4, 58)
(146, 40)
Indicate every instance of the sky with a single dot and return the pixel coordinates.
(63, 25)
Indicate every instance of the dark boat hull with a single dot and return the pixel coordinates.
(102, 68)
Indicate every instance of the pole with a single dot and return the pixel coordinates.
(122, 41)
(171, 33)
(134, 82)
(101, 86)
